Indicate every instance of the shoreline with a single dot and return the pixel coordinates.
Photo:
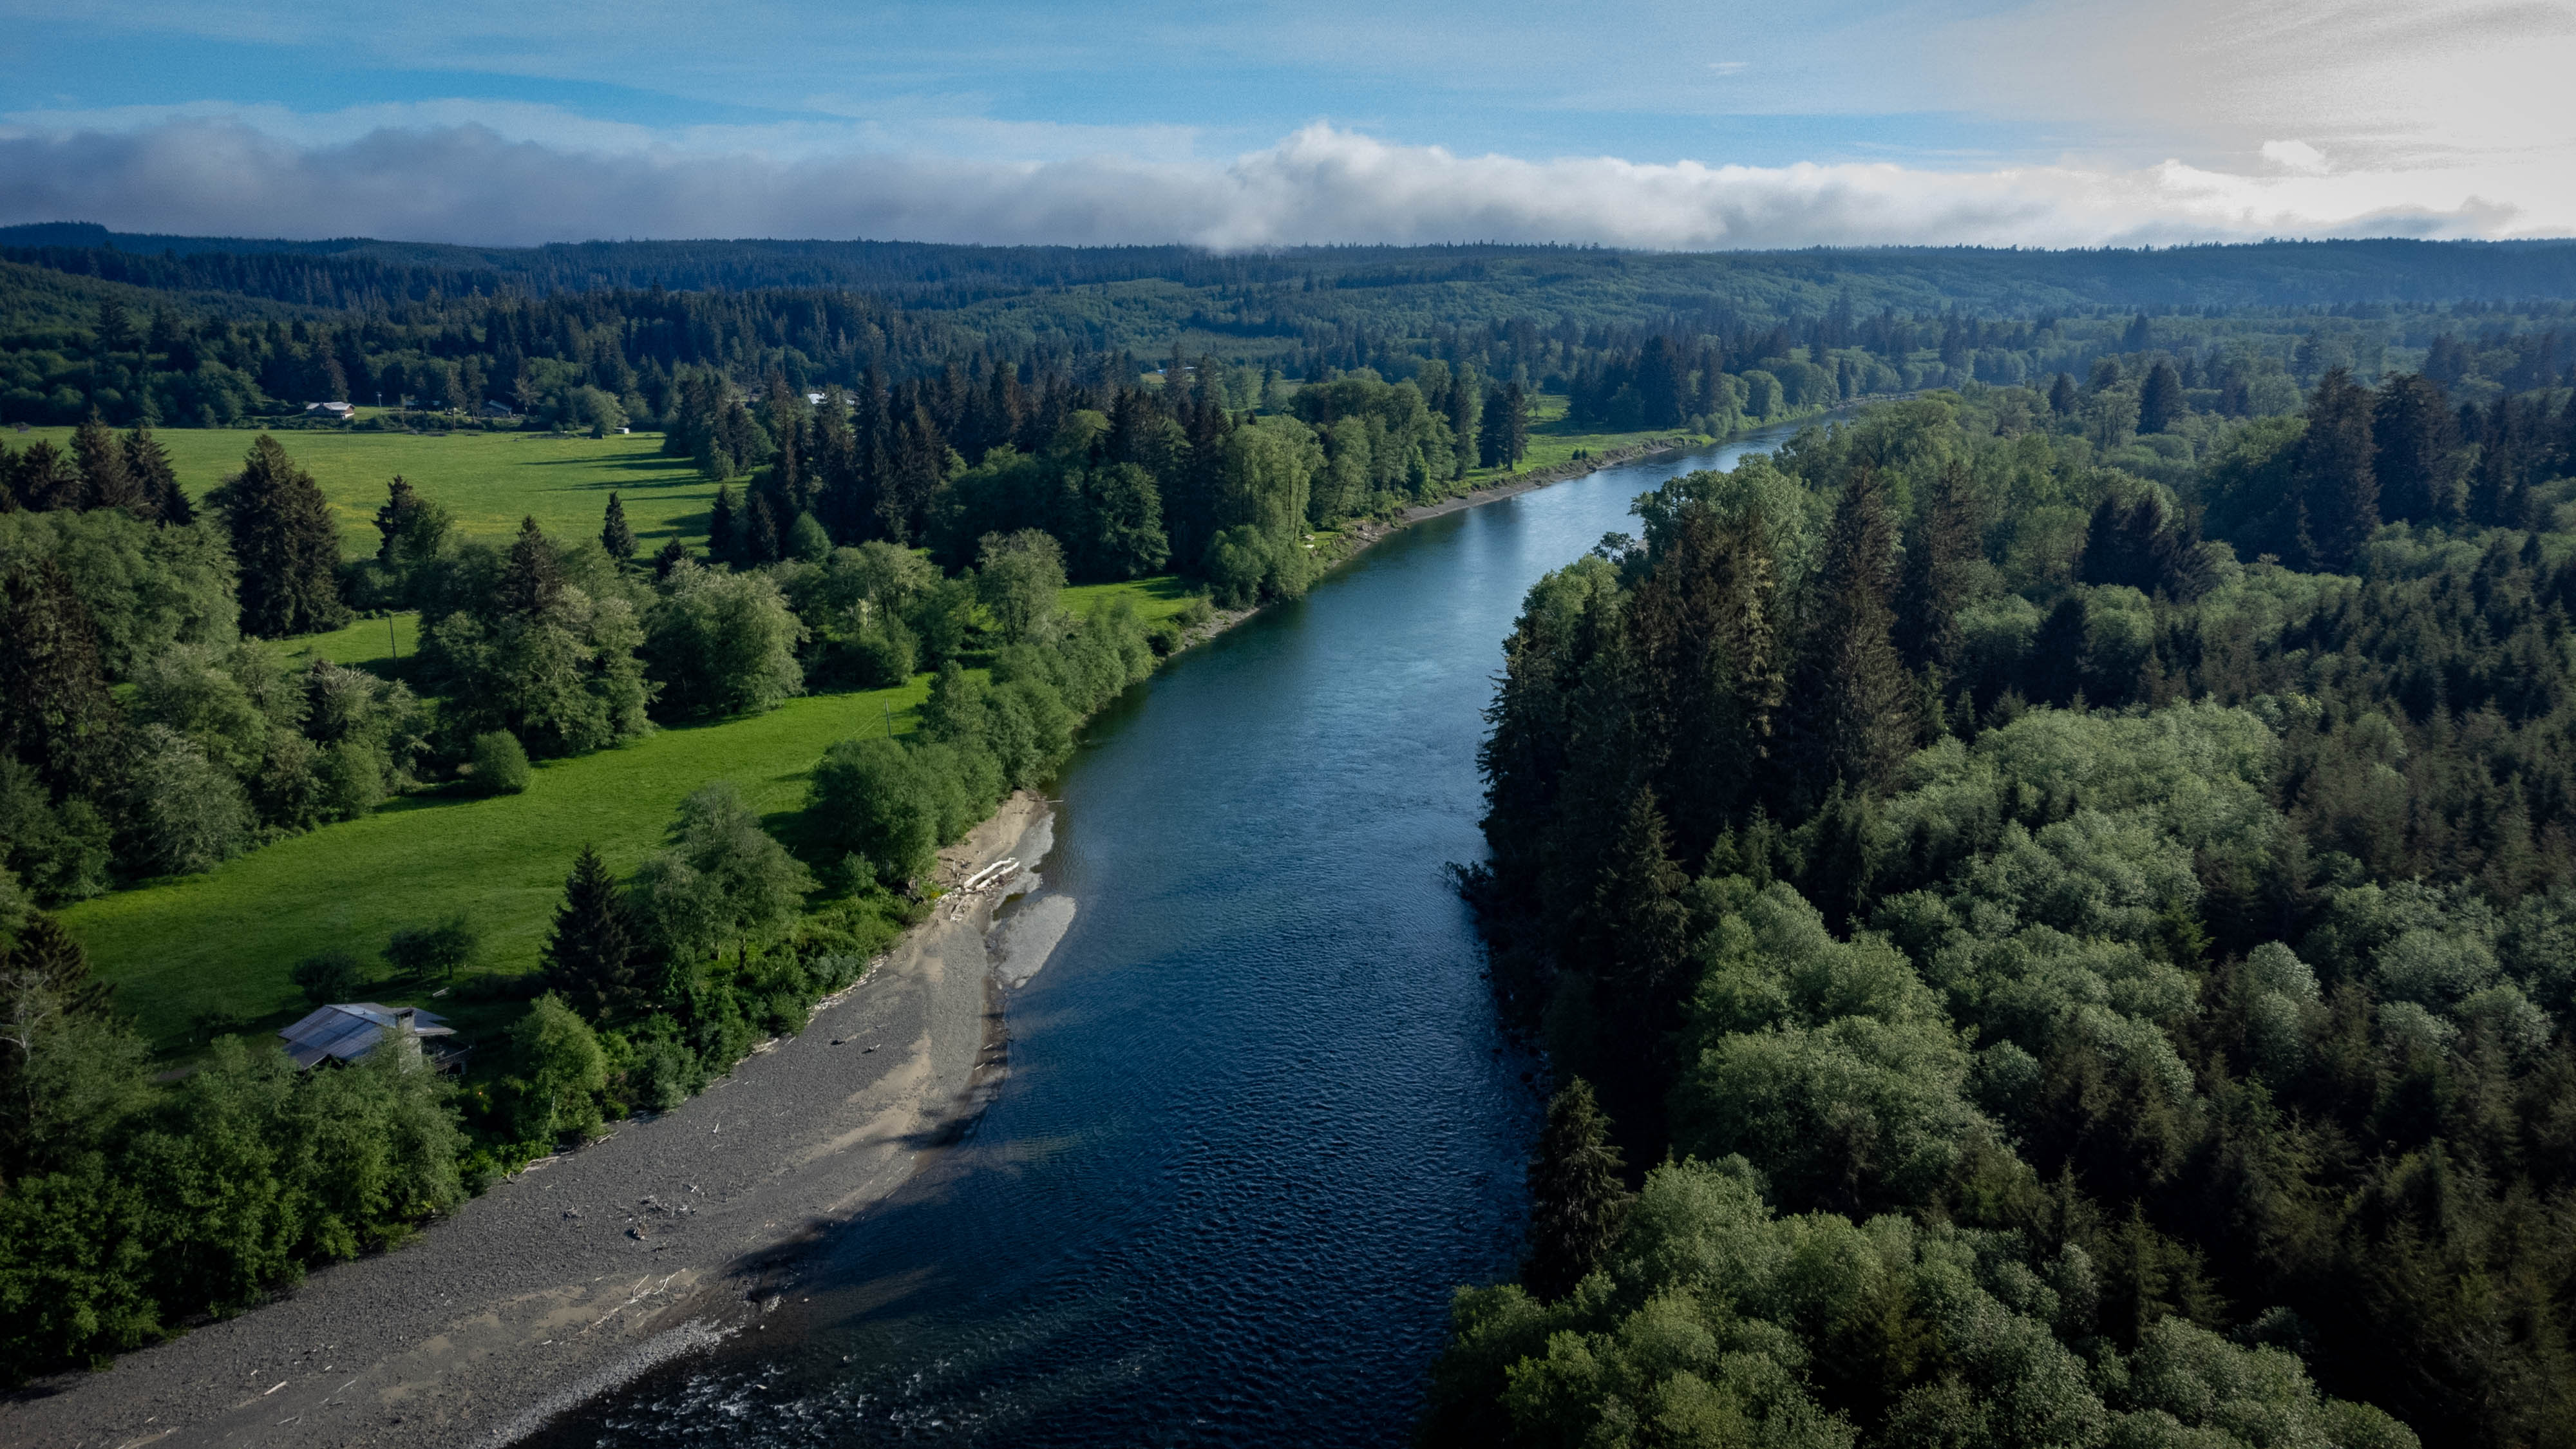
(575, 1276)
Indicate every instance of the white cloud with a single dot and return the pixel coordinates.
(474, 183)
(2296, 157)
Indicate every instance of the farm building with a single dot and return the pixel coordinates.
(349, 1030)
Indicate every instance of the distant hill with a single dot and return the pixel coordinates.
(1474, 282)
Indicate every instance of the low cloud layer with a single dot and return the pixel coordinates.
(467, 183)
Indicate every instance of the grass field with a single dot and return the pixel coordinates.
(488, 480)
(223, 942)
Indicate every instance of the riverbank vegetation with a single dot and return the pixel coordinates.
(2078, 915)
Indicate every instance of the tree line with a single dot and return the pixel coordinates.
(2087, 980)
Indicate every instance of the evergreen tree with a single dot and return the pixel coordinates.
(412, 529)
(672, 555)
(105, 481)
(2160, 400)
(532, 579)
(1577, 1194)
(614, 534)
(1941, 558)
(591, 957)
(761, 542)
(2332, 479)
(56, 714)
(148, 463)
(723, 526)
(1857, 719)
(1516, 424)
(47, 956)
(2417, 451)
(285, 544)
(45, 479)
(2498, 484)
(2062, 398)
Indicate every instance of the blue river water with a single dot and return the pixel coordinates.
(1260, 1119)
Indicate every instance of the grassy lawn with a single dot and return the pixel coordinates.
(488, 480)
(224, 941)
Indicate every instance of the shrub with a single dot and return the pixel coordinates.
(500, 767)
(328, 977)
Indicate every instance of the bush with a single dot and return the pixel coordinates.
(499, 767)
(328, 977)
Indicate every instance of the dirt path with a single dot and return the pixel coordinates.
(591, 1268)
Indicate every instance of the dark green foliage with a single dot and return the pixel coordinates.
(416, 533)
(147, 463)
(1855, 708)
(2208, 1035)
(55, 711)
(1577, 1194)
(2338, 491)
(2417, 462)
(2160, 399)
(327, 977)
(593, 955)
(499, 765)
(285, 544)
(433, 951)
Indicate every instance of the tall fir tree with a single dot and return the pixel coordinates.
(2416, 456)
(285, 543)
(56, 714)
(105, 480)
(1855, 702)
(1578, 1194)
(148, 463)
(2160, 399)
(1942, 559)
(2062, 397)
(532, 578)
(1703, 628)
(614, 533)
(724, 526)
(2333, 478)
(591, 957)
(761, 540)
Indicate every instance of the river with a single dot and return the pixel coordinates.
(1259, 1119)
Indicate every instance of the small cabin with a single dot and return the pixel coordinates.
(331, 410)
(497, 410)
(348, 1030)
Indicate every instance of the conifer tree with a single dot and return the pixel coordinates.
(285, 544)
(49, 957)
(45, 479)
(2160, 399)
(2498, 485)
(148, 463)
(614, 534)
(1516, 424)
(1941, 557)
(723, 526)
(2417, 451)
(55, 710)
(1577, 1194)
(105, 483)
(673, 554)
(2061, 395)
(2337, 491)
(760, 539)
(533, 578)
(591, 957)
(1857, 718)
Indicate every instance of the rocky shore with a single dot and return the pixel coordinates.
(588, 1269)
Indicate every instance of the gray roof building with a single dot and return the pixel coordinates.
(349, 1030)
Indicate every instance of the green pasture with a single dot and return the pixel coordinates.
(221, 944)
(488, 480)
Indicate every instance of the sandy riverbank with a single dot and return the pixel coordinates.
(586, 1270)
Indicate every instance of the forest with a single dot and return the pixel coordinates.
(2068, 869)
(2045, 940)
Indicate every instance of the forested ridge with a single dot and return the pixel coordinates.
(2050, 944)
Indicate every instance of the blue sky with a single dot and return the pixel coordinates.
(1697, 125)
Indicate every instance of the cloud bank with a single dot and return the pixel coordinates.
(216, 175)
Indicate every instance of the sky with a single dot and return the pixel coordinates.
(1259, 124)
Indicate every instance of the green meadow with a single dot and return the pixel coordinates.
(488, 480)
(218, 946)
